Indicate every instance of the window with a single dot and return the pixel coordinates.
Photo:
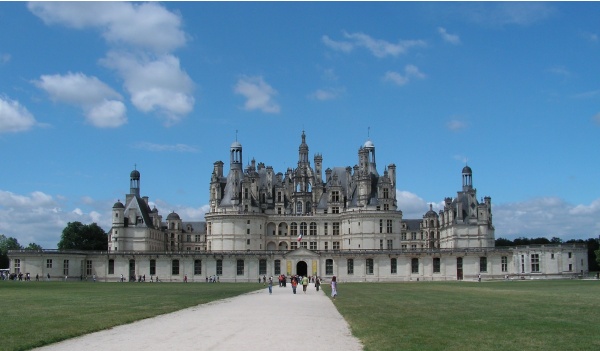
(313, 228)
(188, 238)
(313, 245)
(552, 255)
(88, 267)
(303, 244)
(336, 245)
(380, 244)
(570, 267)
(325, 228)
(262, 267)
(240, 267)
(570, 254)
(329, 266)
(17, 266)
(403, 236)
(152, 267)
(335, 196)
(197, 238)
(535, 262)
(294, 245)
(394, 265)
(504, 261)
(335, 209)
(336, 228)
(389, 226)
(303, 230)
(326, 246)
(522, 263)
(279, 196)
(386, 193)
(414, 235)
(483, 264)
(369, 266)
(219, 267)
(247, 241)
(294, 229)
(386, 207)
(49, 263)
(436, 265)
(414, 264)
(381, 226)
(390, 244)
(66, 268)
(175, 267)
(197, 267)
(277, 267)
(111, 266)
(350, 266)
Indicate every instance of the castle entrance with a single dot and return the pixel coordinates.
(302, 268)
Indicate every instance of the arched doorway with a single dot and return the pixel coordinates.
(302, 268)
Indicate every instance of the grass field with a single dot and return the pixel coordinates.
(514, 315)
(519, 315)
(34, 314)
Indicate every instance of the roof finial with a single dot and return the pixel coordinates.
(236, 131)
(368, 132)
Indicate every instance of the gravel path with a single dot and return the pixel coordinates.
(251, 321)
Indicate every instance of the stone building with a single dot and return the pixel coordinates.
(342, 221)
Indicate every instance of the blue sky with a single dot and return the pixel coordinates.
(88, 91)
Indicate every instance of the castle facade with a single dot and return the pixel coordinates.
(341, 221)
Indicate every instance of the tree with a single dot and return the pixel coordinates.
(78, 236)
(504, 242)
(5, 245)
(34, 246)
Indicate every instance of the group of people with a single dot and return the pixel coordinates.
(302, 280)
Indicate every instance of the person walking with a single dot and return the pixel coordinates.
(304, 283)
(333, 287)
(317, 283)
(294, 284)
(270, 285)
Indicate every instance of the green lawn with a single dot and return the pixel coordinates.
(514, 315)
(39, 313)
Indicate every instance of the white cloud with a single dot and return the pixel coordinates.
(14, 117)
(378, 47)
(4, 58)
(342, 46)
(326, 94)
(259, 95)
(144, 25)
(449, 38)
(596, 118)
(410, 71)
(510, 13)
(101, 104)
(39, 218)
(141, 36)
(456, 125)
(560, 71)
(155, 85)
(163, 147)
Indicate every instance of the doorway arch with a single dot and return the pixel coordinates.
(302, 268)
